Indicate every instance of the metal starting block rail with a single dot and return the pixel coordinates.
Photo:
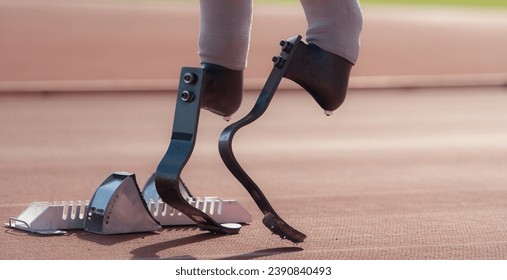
(51, 218)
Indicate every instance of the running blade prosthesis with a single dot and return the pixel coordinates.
(271, 219)
(183, 141)
(167, 176)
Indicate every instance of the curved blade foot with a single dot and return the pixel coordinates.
(170, 192)
(282, 229)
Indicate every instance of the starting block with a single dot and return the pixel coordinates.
(118, 207)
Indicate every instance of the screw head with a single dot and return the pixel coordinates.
(286, 45)
(278, 61)
(187, 96)
(189, 78)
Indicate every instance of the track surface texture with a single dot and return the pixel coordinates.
(393, 174)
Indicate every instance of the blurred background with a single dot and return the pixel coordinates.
(142, 44)
(394, 174)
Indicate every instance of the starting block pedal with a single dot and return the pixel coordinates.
(117, 207)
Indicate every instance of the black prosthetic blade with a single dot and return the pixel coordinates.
(282, 229)
(167, 175)
(271, 219)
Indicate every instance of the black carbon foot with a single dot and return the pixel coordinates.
(282, 229)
